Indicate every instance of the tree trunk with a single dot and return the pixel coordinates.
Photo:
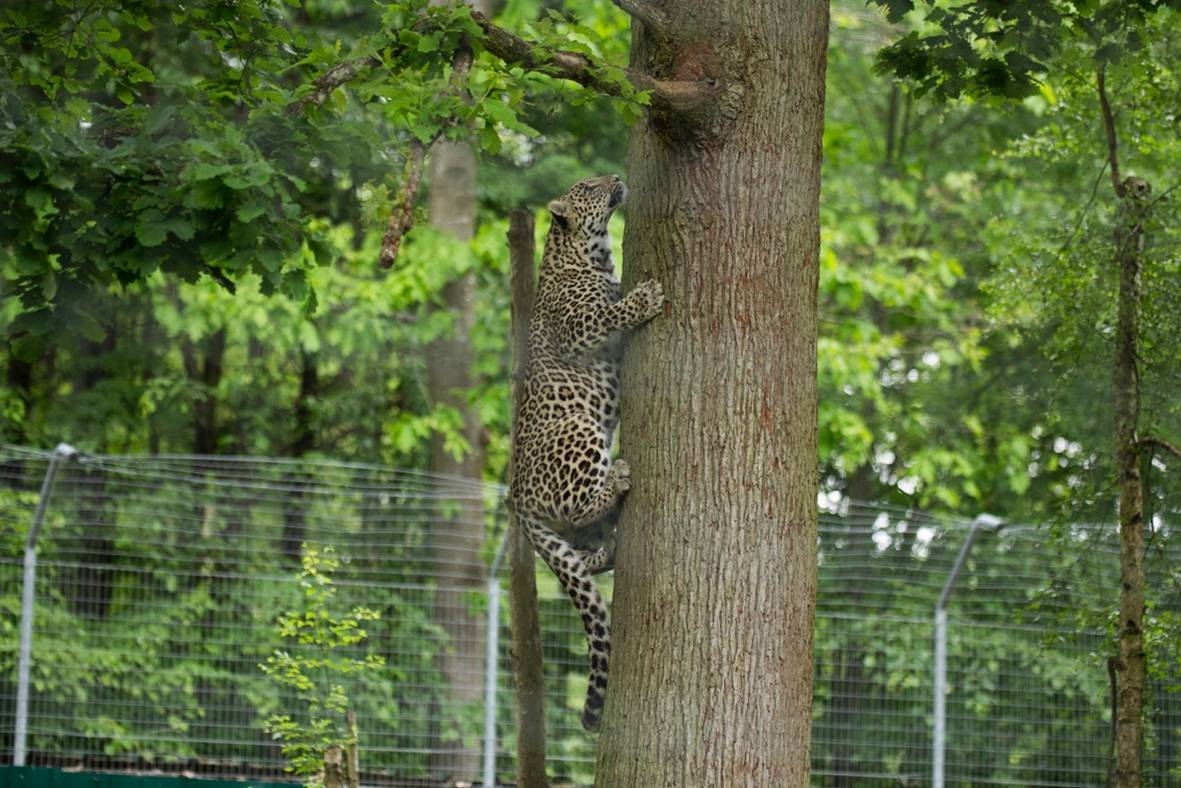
(1131, 664)
(527, 665)
(205, 368)
(716, 571)
(457, 539)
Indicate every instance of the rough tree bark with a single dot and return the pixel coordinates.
(716, 572)
(457, 540)
(527, 665)
(1131, 663)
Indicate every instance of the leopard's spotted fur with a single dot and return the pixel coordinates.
(565, 487)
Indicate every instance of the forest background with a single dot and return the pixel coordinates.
(188, 265)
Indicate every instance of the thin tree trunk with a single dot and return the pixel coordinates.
(526, 625)
(205, 368)
(457, 539)
(1132, 667)
(1131, 664)
(711, 679)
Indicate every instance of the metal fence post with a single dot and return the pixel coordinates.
(492, 649)
(28, 594)
(985, 522)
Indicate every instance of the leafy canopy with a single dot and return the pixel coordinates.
(1002, 47)
(195, 140)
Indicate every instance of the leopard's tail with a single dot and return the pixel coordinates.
(574, 576)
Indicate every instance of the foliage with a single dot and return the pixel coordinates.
(140, 138)
(906, 346)
(1056, 240)
(1058, 234)
(320, 641)
(119, 162)
(988, 48)
(176, 239)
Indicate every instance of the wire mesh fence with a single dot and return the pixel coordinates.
(1028, 698)
(160, 581)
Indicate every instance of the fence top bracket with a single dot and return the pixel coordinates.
(983, 522)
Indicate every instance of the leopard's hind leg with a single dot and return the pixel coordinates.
(574, 575)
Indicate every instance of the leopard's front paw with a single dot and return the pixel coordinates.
(649, 297)
(621, 476)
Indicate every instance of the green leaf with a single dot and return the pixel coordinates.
(271, 259)
(490, 140)
(150, 228)
(88, 327)
(499, 111)
(49, 285)
(61, 180)
(181, 228)
(30, 347)
(250, 211)
(896, 9)
(41, 202)
(205, 171)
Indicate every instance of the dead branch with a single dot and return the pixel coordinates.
(1109, 127)
(402, 215)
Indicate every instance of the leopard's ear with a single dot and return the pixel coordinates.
(561, 213)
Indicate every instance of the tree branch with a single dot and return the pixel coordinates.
(402, 215)
(1158, 443)
(679, 96)
(652, 17)
(331, 79)
(1109, 127)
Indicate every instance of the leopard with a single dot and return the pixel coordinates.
(566, 488)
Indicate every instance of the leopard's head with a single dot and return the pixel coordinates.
(584, 210)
